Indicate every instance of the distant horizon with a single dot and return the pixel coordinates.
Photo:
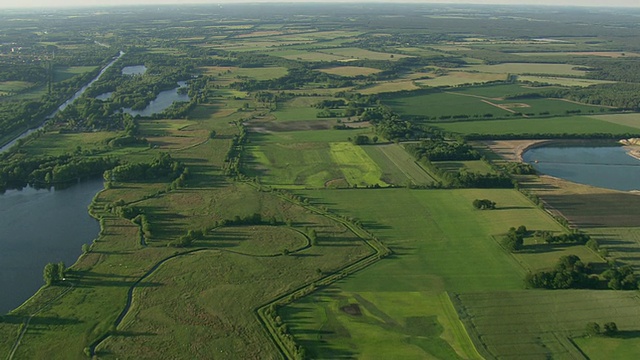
(45, 4)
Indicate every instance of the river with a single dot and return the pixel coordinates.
(61, 107)
(609, 167)
(38, 227)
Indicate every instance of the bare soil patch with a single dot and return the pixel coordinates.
(512, 150)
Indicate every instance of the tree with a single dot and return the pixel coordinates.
(484, 204)
(313, 236)
(592, 329)
(610, 329)
(53, 273)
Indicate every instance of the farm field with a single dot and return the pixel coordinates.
(245, 222)
(350, 71)
(439, 104)
(419, 273)
(554, 125)
(529, 68)
(460, 78)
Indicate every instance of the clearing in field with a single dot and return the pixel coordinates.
(529, 68)
(398, 167)
(350, 71)
(399, 306)
(356, 166)
(460, 77)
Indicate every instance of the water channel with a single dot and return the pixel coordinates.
(38, 227)
(609, 167)
(63, 106)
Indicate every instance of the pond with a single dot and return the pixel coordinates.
(39, 227)
(134, 70)
(161, 102)
(609, 167)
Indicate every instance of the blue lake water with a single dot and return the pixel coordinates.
(161, 102)
(38, 227)
(608, 167)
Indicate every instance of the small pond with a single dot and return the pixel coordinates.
(609, 167)
(134, 70)
(38, 227)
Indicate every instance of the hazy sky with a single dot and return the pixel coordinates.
(58, 3)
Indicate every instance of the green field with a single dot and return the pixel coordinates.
(632, 120)
(231, 73)
(439, 243)
(299, 108)
(14, 86)
(529, 68)
(460, 78)
(348, 53)
(495, 92)
(470, 166)
(356, 166)
(350, 71)
(64, 73)
(562, 81)
(441, 104)
(389, 87)
(398, 167)
(555, 125)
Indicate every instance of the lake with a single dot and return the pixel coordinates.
(607, 167)
(161, 102)
(38, 227)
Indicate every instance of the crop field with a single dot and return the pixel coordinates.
(529, 68)
(352, 317)
(548, 106)
(389, 86)
(460, 77)
(554, 125)
(350, 71)
(442, 104)
(624, 346)
(356, 166)
(304, 55)
(231, 73)
(536, 324)
(398, 167)
(586, 206)
(418, 51)
(562, 81)
(314, 135)
(608, 54)
(632, 120)
(362, 54)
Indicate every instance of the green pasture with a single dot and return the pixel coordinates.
(398, 167)
(551, 106)
(477, 166)
(440, 103)
(64, 73)
(281, 164)
(496, 91)
(554, 125)
(311, 135)
(538, 324)
(299, 108)
(440, 244)
(529, 68)
(304, 55)
(419, 51)
(356, 166)
(624, 346)
(14, 86)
